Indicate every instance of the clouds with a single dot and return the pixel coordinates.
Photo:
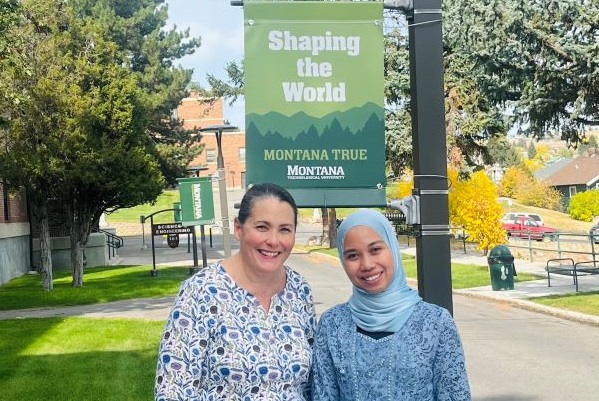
(220, 26)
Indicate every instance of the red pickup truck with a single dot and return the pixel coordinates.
(525, 227)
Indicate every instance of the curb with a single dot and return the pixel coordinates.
(534, 307)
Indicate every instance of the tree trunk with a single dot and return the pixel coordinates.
(325, 226)
(332, 228)
(82, 215)
(76, 258)
(41, 212)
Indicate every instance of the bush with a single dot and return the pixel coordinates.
(584, 206)
(522, 186)
(539, 194)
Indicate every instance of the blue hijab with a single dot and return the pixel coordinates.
(390, 309)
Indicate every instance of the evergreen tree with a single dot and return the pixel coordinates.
(539, 60)
(502, 152)
(531, 151)
(32, 136)
(138, 28)
(10, 12)
(80, 134)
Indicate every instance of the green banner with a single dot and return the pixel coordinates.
(196, 201)
(314, 90)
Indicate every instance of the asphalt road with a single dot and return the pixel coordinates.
(517, 355)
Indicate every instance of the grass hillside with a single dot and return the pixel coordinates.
(552, 218)
(131, 215)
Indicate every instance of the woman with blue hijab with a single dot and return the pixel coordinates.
(386, 343)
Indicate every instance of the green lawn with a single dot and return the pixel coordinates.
(587, 302)
(464, 276)
(101, 284)
(131, 215)
(76, 359)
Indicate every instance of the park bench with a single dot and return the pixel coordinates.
(567, 266)
(584, 268)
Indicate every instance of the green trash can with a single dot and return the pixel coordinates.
(501, 268)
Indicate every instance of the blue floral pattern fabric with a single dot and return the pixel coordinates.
(423, 361)
(220, 344)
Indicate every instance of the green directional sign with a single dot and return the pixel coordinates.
(196, 201)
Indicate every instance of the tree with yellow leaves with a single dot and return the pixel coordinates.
(522, 186)
(401, 189)
(512, 180)
(473, 205)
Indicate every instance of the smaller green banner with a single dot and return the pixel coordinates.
(197, 202)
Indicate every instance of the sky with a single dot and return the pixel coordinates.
(220, 27)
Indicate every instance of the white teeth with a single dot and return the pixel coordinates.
(269, 254)
(372, 278)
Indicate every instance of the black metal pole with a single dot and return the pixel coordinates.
(203, 244)
(430, 154)
(193, 269)
(154, 272)
(142, 220)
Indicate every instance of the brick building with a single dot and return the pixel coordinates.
(197, 114)
(13, 208)
(14, 234)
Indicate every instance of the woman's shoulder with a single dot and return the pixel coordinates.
(337, 313)
(431, 314)
(298, 282)
(210, 274)
(431, 309)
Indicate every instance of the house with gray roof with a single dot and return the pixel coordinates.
(570, 176)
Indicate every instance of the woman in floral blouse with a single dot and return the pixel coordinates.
(242, 328)
(385, 344)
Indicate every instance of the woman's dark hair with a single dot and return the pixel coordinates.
(264, 190)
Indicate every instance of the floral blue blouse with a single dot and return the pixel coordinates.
(220, 344)
(423, 361)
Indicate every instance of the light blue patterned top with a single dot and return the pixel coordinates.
(220, 344)
(423, 361)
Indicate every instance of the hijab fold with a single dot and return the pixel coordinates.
(390, 309)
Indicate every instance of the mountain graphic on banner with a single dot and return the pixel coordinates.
(292, 126)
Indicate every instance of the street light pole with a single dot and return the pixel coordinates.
(222, 184)
(433, 255)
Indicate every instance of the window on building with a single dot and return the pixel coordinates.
(242, 154)
(572, 191)
(210, 156)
